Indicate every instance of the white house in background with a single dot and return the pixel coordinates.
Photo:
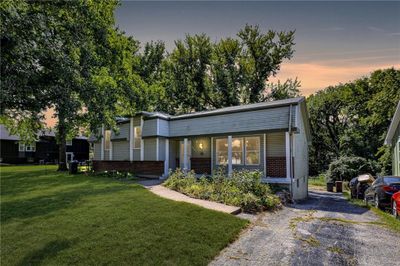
(272, 137)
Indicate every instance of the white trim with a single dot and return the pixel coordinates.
(185, 159)
(21, 147)
(157, 149)
(393, 126)
(110, 154)
(287, 149)
(229, 155)
(102, 143)
(166, 161)
(141, 141)
(212, 154)
(265, 154)
(131, 139)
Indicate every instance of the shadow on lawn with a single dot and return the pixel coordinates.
(43, 205)
(50, 250)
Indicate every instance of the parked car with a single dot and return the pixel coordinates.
(382, 190)
(359, 185)
(396, 205)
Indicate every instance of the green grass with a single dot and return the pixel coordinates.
(317, 181)
(386, 218)
(53, 218)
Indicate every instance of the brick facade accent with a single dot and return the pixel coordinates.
(146, 168)
(276, 166)
(201, 165)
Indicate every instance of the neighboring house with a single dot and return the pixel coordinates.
(45, 149)
(393, 139)
(271, 137)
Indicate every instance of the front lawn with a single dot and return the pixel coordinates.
(57, 219)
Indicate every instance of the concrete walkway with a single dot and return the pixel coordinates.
(173, 195)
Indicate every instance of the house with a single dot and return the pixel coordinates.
(393, 139)
(44, 149)
(272, 137)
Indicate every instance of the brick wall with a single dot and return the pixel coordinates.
(276, 166)
(201, 165)
(147, 168)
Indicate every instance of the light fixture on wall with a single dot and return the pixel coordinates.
(201, 147)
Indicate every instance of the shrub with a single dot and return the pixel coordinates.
(346, 168)
(243, 189)
(117, 175)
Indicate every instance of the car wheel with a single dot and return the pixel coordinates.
(376, 202)
(394, 209)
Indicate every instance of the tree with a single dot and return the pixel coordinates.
(352, 119)
(67, 56)
(280, 91)
(261, 58)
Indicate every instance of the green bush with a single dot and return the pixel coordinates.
(243, 189)
(346, 168)
(117, 175)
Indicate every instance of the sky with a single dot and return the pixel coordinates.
(336, 42)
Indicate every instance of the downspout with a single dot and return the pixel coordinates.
(290, 151)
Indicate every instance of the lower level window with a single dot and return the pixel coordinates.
(222, 151)
(253, 151)
(245, 151)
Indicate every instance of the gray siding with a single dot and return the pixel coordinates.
(163, 127)
(276, 144)
(149, 128)
(150, 149)
(259, 167)
(97, 151)
(258, 120)
(120, 150)
(123, 132)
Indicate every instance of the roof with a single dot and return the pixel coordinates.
(231, 109)
(393, 126)
(4, 134)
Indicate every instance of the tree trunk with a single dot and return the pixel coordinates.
(62, 163)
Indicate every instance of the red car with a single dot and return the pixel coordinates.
(396, 204)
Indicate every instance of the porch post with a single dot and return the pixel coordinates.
(110, 151)
(229, 155)
(288, 159)
(141, 141)
(265, 155)
(185, 152)
(102, 143)
(131, 139)
(166, 161)
(212, 154)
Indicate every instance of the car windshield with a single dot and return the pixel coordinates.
(391, 179)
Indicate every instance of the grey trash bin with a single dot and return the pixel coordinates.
(73, 167)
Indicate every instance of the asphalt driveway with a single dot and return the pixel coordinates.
(323, 230)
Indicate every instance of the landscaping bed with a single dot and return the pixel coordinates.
(243, 189)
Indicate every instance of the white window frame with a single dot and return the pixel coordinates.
(30, 147)
(135, 137)
(259, 151)
(106, 132)
(216, 151)
(68, 142)
(21, 147)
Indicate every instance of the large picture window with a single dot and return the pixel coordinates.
(221, 151)
(137, 137)
(253, 151)
(107, 139)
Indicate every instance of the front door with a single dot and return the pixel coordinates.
(70, 156)
(182, 152)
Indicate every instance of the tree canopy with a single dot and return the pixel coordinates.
(352, 119)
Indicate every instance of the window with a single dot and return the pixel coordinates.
(237, 151)
(221, 151)
(107, 139)
(253, 151)
(30, 147)
(137, 137)
(21, 146)
(68, 142)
